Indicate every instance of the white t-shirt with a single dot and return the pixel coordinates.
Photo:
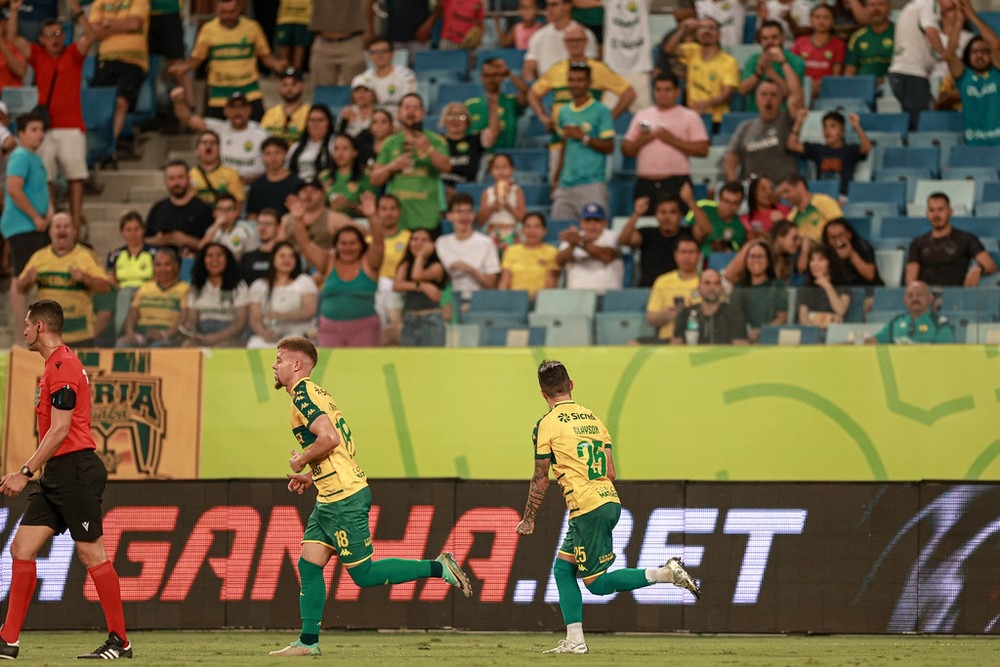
(240, 149)
(307, 159)
(214, 307)
(798, 10)
(389, 90)
(912, 53)
(586, 272)
(729, 14)
(241, 239)
(546, 47)
(284, 299)
(477, 251)
(626, 36)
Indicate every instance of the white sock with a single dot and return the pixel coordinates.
(574, 633)
(654, 575)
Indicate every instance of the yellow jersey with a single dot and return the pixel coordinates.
(665, 291)
(707, 78)
(222, 179)
(298, 12)
(812, 219)
(394, 249)
(54, 282)
(337, 476)
(529, 267)
(126, 47)
(280, 124)
(232, 55)
(554, 80)
(159, 308)
(575, 441)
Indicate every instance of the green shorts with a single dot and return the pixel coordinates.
(293, 34)
(589, 540)
(343, 526)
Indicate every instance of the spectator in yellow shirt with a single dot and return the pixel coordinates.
(530, 265)
(712, 74)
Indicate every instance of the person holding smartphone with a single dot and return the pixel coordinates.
(411, 163)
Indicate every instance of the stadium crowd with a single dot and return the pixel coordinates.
(691, 187)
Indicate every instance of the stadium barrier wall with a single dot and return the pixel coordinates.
(786, 414)
(772, 557)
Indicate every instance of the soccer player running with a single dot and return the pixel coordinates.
(69, 492)
(339, 521)
(576, 443)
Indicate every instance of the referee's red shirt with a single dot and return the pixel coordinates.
(63, 369)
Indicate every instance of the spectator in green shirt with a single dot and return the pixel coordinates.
(869, 51)
(509, 107)
(765, 66)
(919, 324)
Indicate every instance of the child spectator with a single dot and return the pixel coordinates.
(520, 33)
(501, 205)
(835, 158)
(292, 35)
(823, 52)
(530, 265)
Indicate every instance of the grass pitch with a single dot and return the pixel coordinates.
(515, 649)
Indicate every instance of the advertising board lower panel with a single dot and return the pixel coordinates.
(772, 557)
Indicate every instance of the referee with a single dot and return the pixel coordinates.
(69, 492)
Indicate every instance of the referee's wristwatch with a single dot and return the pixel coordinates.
(26, 471)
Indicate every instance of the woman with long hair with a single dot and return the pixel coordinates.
(760, 295)
(310, 155)
(822, 301)
(345, 181)
(421, 279)
(347, 298)
(857, 257)
(786, 242)
(217, 305)
(382, 127)
(283, 302)
(764, 208)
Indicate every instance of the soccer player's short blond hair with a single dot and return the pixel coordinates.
(300, 345)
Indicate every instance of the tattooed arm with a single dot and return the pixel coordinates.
(536, 494)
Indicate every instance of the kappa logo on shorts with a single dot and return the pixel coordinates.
(85, 524)
(345, 552)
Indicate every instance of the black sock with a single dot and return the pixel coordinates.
(309, 640)
(437, 569)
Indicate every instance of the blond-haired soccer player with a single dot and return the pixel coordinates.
(578, 446)
(339, 522)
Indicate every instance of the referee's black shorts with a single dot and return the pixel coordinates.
(69, 496)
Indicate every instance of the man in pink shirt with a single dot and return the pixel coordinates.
(661, 139)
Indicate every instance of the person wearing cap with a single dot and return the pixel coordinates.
(65, 142)
(356, 117)
(589, 253)
(338, 50)
(390, 82)
(287, 119)
(308, 208)
(588, 134)
(231, 44)
(240, 137)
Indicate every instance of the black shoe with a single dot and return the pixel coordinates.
(114, 648)
(8, 651)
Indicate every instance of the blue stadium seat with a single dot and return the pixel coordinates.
(750, 29)
(789, 335)
(437, 61)
(845, 105)
(334, 97)
(863, 227)
(889, 193)
(984, 301)
(940, 121)
(500, 336)
(858, 87)
(909, 177)
(896, 123)
(733, 119)
(622, 318)
(912, 158)
(145, 105)
(537, 196)
(98, 116)
(903, 228)
(555, 227)
(888, 299)
(988, 209)
(981, 226)
(826, 186)
(474, 190)
(943, 140)
(974, 156)
(513, 57)
(529, 160)
(497, 308)
(622, 123)
(720, 260)
(19, 99)
(991, 192)
(620, 196)
(856, 309)
(567, 315)
(456, 92)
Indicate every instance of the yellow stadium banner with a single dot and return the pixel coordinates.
(845, 413)
(145, 415)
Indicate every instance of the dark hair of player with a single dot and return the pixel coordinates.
(49, 312)
(300, 345)
(553, 378)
